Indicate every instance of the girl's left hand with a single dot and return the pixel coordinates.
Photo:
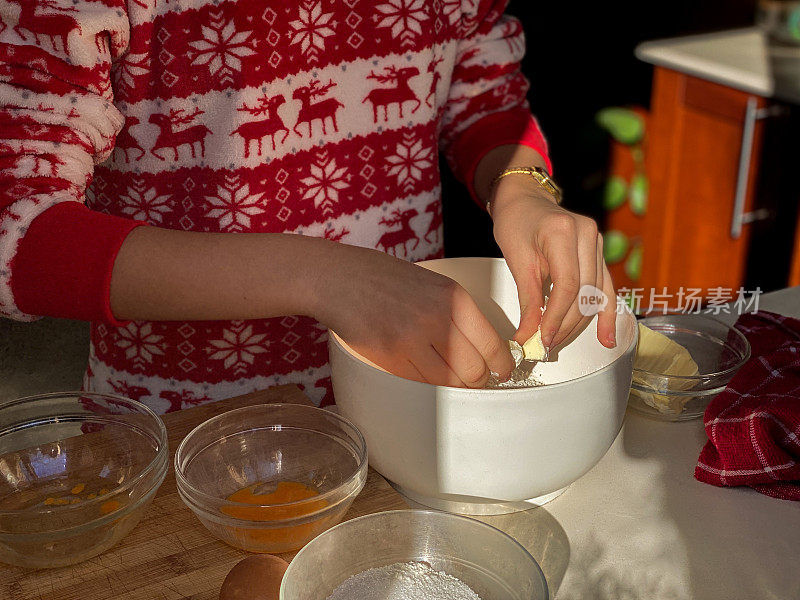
(541, 241)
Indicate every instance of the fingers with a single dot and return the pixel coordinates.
(432, 363)
(411, 372)
(607, 319)
(470, 349)
(601, 263)
(571, 253)
(524, 267)
(464, 360)
(578, 316)
(561, 252)
(434, 366)
(474, 329)
(402, 368)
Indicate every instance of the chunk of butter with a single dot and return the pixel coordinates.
(657, 356)
(517, 353)
(533, 349)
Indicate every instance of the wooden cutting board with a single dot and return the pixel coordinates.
(170, 555)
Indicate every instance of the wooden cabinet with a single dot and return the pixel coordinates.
(794, 269)
(695, 164)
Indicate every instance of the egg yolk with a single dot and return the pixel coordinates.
(279, 539)
(106, 508)
(109, 507)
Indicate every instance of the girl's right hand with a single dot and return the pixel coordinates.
(411, 321)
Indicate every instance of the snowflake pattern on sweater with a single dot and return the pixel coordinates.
(317, 117)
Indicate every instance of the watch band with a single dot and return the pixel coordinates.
(537, 173)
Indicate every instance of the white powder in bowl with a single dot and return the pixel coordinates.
(521, 376)
(403, 581)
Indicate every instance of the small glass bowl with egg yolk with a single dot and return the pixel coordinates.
(270, 477)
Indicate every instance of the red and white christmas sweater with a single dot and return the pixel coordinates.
(319, 117)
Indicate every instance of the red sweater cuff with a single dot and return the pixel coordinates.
(516, 126)
(64, 262)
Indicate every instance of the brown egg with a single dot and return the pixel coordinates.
(254, 578)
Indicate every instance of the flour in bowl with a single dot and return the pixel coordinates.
(403, 581)
(522, 375)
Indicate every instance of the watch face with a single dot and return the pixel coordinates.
(546, 179)
(551, 185)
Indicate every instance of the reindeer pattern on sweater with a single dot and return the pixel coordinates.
(316, 117)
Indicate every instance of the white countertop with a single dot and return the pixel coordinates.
(737, 58)
(639, 526)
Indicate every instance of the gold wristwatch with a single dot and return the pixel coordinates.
(541, 176)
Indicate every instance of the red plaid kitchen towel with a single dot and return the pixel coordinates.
(753, 426)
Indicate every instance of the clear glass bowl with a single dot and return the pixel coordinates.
(318, 456)
(77, 472)
(491, 563)
(719, 351)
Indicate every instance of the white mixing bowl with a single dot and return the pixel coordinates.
(490, 451)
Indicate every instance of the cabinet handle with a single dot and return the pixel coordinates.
(740, 218)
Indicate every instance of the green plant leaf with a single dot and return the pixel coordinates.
(615, 245)
(614, 193)
(637, 193)
(622, 124)
(633, 266)
(793, 23)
